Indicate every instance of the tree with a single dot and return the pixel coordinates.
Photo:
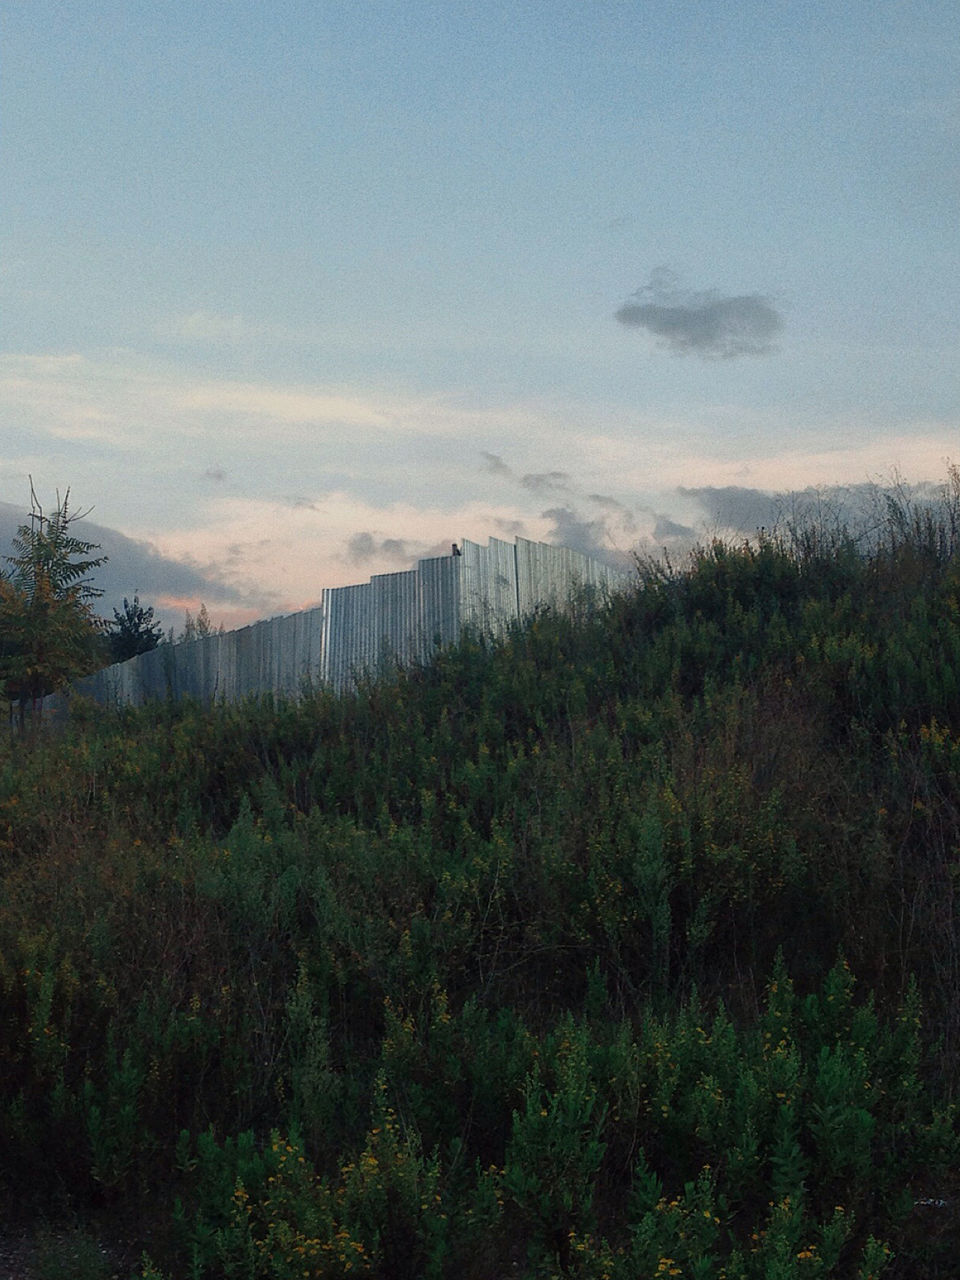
(133, 631)
(195, 628)
(49, 633)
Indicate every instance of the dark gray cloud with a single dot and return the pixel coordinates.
(580, 533)
(541, 481)
(859, 508)
(533, 481)
(571, 529)
(708, 324)
(598, 524)
(134, 566)
(665, 528)
(512, 528)
(241, 550)
(736, 507)
(493, 463)
(364, 546)
(625, 515)
(575, 523)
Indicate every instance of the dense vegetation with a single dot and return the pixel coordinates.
(49, 633)
(628, 947)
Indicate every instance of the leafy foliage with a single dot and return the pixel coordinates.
(628, 947)
(194, 628)
(134, 631)
(48, 631)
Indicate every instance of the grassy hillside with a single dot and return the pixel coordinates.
(626, 948)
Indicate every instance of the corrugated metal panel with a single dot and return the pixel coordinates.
(440, 590)
(358, 629)
(306, 649)
(395, 603)
(244, 671)
(555, 576)
(346, 641)
(489, 599)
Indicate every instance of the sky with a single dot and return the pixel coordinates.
(296, 292)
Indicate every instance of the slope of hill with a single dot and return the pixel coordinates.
(625, 947)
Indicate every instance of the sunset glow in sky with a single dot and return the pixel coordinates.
(296, 292)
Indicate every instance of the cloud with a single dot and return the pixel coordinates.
(736, 507)
(570, 529)
(297, 551)
(365, 546)
(614, 507)
(282, 404)
(361, 547)
(677, 458)
(308, 465)
(493, 463)
(133, 566)
(617, 532)
(739, 511)
(511, 528)
(538, 482)
(706, 324)
(665, 529)
(598, 524)
(602, 535)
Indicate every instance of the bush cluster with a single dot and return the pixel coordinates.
(627, 946)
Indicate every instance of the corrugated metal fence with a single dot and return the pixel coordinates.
(393, 618)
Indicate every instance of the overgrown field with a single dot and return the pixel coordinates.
(626, 948)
